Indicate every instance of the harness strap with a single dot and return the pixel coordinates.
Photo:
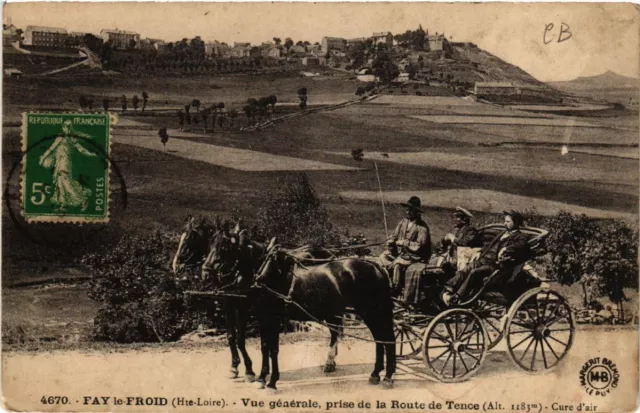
(333, 327)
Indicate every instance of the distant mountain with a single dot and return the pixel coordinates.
(609, 81)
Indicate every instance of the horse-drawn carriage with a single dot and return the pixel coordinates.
(535, 321)
(513, 303)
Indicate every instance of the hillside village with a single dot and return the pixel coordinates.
(417, 57)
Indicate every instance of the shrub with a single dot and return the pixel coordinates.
(295, 216)
(140, 299)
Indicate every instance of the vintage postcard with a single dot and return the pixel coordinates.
(299, 207)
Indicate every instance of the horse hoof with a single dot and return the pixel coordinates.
(250, 378)
(387, 382)
(260, 384)
(234, 373)
(271, 390)
(329, 368)
(374, 380)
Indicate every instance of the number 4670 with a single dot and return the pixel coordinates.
(39, 193)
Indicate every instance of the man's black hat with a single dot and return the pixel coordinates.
(413, 202)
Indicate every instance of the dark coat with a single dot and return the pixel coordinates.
(418, 247)
(516, 245)
(465, 236)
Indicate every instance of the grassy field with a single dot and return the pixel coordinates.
(164, 187)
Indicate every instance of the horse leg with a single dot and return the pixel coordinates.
(231, 340)
(386, 334)
(264, 349)
(379, 366)
(274, 348)
(330, 364)
(241, 324)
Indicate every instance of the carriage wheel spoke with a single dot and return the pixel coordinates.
(533, 359)
(449, 331)
(468, 336)
(528, 347)
(413, 348)
(544, 356)
(439, 337)
(561, 329)
(552, 313)
(447, 346)
(473, 357)
(555, 339)
(454, 363)
(553, 321)
(528, 327)
(464, 330)
(537, 304)
(491, 325)
(441, 354)
(445, 363)
(551, 348)
(522, 341)
(463, 363)
(544, 310)
(519, 331)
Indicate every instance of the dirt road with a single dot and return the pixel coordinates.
(172, 372)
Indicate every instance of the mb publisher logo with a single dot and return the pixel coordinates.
(598, 376)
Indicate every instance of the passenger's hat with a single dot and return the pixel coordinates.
(517, 217)
(413, 202)
(462, 213)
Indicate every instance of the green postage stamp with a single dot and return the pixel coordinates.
(65, 173)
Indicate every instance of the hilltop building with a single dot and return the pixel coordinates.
(10, 34)
(356, 41)
(121, 39)
(45, 36)
(333, 43)
(149, 44)
(382, 38)
(436, 42)
(271, 51)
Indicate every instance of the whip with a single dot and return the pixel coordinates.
(384, 213)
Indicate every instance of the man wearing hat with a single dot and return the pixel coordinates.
(410, 243)
(507, 249)
(463, 234)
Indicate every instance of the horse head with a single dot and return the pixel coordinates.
(194, 244)
(222, 257)
(272, 268)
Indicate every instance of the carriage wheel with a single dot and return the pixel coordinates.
(408, 328)
(539, 330)
(492, 315)
(455, 344)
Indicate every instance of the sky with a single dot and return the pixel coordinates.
(597, 37)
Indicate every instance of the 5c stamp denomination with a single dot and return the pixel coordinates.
(65, 175)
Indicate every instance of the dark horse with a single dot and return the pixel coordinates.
(324, 292)
(229, 262)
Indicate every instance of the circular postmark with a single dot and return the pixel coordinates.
(599, 376)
